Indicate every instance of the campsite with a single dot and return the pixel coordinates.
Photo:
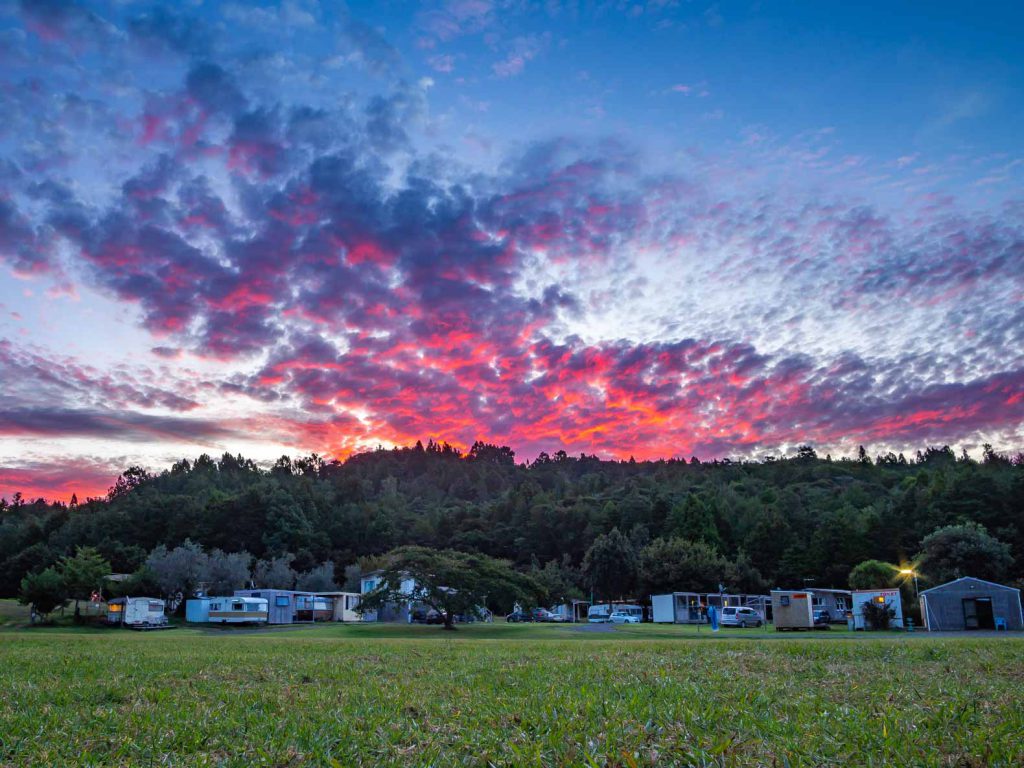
(505, 694)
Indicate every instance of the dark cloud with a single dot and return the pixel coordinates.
(130, 426)
(214, 89)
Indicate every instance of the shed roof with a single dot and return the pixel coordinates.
(971, 579)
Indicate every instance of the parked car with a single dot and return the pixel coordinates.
(434, 617)
(733, 616)
(620, 617)
(517, 616)
(822, 620)
(542, 615)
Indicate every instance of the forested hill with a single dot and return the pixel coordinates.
(795, 519)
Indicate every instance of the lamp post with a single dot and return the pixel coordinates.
(911, 572)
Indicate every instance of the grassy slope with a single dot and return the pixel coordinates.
(508, 695)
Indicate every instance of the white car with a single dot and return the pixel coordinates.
(620, 617)
(740, 617)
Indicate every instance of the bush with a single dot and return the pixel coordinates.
(877, 615)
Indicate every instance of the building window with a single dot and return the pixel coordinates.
(282, 601)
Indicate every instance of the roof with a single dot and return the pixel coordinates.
(972, 579)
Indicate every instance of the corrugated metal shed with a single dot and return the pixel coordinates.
(970, 603)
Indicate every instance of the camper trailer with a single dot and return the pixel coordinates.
(227, 610)
(792, 609)
(286, 606)
(136, 612)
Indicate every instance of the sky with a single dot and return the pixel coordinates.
(654, 230)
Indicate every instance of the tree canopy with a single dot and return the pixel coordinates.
(803, 518)
(449, 582)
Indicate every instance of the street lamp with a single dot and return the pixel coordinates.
(911, 572)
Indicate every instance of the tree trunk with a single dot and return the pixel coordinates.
(449, 621)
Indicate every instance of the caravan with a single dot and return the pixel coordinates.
(136, 612)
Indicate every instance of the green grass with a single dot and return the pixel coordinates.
(506, 695)
(12, 614)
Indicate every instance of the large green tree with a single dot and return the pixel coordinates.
(44, 591)
(682, 565)
(611, 566)
(872, 574)
(967, 549)
(448, 581)
(84, 574)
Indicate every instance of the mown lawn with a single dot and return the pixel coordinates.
(505, 695)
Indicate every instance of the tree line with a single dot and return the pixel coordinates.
(580, 526)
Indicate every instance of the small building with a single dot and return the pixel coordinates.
(970, 603)
(313, 607)
(137, 612)
(284, 606)
(889, 598)
(227, 610)
(792, 609)
(836, 601)
(573, 611)
(344, 605)
(678, 608)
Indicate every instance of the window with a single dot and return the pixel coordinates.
(239, 606)
(282, 601)
(253, 607)
(155, 607)
(841, 604)
(214, 606)
(818, 602)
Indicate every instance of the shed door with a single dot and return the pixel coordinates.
(978, 613)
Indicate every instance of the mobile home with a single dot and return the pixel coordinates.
(344, 605)
(678, 608)
(284, 606)
(887, 597)
(136, 612)
(690, 607)
(227, 610)
(792, 609)
(835, 601)
(970, 603)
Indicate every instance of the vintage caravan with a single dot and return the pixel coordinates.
(136, 612)
(227, 610)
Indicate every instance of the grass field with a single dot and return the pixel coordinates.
(506, 695)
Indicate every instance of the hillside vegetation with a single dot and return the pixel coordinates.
(774, 522)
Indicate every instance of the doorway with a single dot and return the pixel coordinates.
(978, 613)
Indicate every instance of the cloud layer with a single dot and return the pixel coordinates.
(340, 283)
